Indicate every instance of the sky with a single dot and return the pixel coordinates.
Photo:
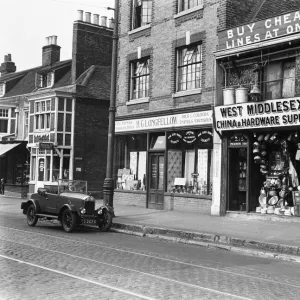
(25, 24)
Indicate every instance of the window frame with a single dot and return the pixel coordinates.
(2, 89)
(179, 66)
(149, 8)
(181, 3)
(40, 114)
(44, 80)
(133, 79)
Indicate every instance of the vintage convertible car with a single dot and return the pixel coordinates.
(69, 203)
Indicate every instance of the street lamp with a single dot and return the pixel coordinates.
(108, 187)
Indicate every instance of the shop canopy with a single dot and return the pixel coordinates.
(7, 147)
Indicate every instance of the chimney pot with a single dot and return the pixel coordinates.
(111, 23)
(5, 58)
(88, 17)
(80, 15)
(9, 57)
(96, 19)
(103, 21)
(54, 39)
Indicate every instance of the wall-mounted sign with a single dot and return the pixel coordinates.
(205, 136)
(171, 121)
(189, 137)
(78, 169)
(41, 169)
(260, 31)
(42, 137)
(252, 115)
(174, 137)
(46, 146)
(238, 140)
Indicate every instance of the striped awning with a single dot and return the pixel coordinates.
(7, 147)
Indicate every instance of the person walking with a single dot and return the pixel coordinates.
(2, 186)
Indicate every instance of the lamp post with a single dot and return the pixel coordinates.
(108, 188)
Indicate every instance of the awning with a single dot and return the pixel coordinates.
(7, 147)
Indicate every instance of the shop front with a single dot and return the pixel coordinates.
(261, 146)
(165, 162)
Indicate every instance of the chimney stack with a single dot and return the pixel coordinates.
(51, 52)
(7, 66)
(80, 15)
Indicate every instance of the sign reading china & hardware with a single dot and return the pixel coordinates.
(251, 115)
(260, 31)
(172, 121)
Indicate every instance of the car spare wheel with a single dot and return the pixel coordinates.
(107, 221)
(31, 216)
(68, 220)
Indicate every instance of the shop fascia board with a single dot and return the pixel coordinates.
(255, 46)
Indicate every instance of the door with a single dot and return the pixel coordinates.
(156, 181)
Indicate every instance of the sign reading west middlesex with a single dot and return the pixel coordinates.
(260, 31)
(171, 121)
(272, 113)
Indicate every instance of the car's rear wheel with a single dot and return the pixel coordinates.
(31, 216)
(68, 220)
(105, 224)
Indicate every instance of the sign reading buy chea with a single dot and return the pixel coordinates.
(260, 31)
(251, 115)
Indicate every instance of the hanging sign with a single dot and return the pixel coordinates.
(174, 138)
(189, 137)
(253, 115)
(172, 121)
(260, 31)
(238, 140)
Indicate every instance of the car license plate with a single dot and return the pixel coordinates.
(89, 221)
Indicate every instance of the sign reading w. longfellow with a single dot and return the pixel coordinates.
(260, 31)
(171, 121)
(272, 113)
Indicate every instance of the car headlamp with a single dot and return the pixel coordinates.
(83, 211)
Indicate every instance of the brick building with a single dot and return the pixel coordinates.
(165, 92)
(257, 108)
(59, 111)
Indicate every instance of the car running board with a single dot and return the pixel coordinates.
(47, 216)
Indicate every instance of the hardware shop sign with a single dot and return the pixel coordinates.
(260, 31)
(171, 121)
(252, 115)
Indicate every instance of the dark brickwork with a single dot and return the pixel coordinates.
(163, 37)
(92, 45)
(51, 55)
(90, 141)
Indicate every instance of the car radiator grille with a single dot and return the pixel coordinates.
(90, 207)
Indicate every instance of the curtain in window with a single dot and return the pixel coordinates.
(189, 165)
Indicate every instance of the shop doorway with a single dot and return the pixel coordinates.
(156, 180)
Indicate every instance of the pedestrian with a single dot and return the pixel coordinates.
(2, 186)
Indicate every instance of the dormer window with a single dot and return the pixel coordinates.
(44, 80)
(2, 89)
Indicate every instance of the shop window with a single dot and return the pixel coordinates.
(48, 168)
(55, 167)
(142, 13)
(189, 67)
(66, 166)
(130, 162)
(33, 168)
(140, 75)
(157, 141)
(189, 4)
(189, 166)
(279, 80)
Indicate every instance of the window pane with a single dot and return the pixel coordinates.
(33, 166)
(47, 168)
(47, 121)
(3, 126)
(37, 119)
(140, 79)
(60, 122)
(55, 168)
(42, 121)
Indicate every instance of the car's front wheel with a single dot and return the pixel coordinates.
(68, 220)
(105, 224)
(31, 216)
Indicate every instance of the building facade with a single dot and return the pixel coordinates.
(257, 109)
(165, 94)
(66, 108)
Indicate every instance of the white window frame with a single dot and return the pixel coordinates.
(38, 112)
(145, 95)
(44, 80)
(134, 17)
(2, 89)
(178, 67)
(7, 117)
(182, 12)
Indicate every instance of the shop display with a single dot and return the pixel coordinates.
(278, 156)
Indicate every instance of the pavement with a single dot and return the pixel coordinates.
(277, 237)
